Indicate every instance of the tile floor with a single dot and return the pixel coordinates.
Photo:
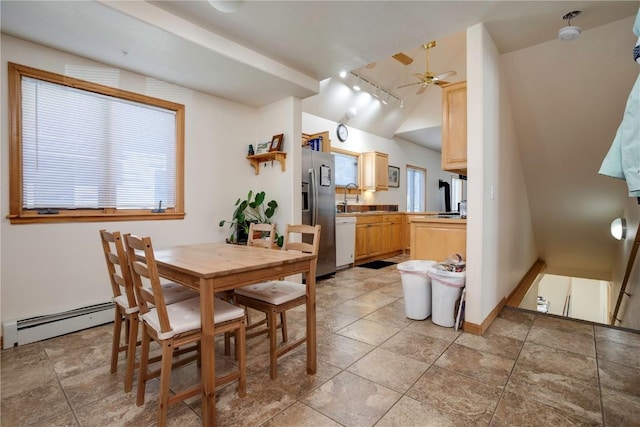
(375, 367)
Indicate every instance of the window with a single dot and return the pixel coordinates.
(416, 188)
(80, 151)
(346, 170)
(458, 190)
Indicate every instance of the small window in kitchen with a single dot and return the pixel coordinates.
(346, 170)
(416, 188)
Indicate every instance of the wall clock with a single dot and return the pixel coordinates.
(342, 132)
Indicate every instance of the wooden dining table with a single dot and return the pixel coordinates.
(214, 267)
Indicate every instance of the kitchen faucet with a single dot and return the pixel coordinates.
(346, 190)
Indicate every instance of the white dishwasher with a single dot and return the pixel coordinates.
(345, 240)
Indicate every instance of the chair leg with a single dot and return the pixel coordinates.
(283, 323)
(165, 379)
(227, 343)
(272, 344)
(144, 360)
(241, 357)
(131, 352)
(115, 347)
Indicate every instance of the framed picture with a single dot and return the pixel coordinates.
(276, 142)
(263, 147)
(394, 177)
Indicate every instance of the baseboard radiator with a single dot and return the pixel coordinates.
(33, 329)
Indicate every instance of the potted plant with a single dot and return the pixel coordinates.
(252, 209)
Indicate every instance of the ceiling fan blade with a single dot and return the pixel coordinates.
(445, 75)
(410, 84)
(441, 83)
(403, 58)
(422, 90)
(370, 66)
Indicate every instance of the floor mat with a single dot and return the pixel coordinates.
(377, 264)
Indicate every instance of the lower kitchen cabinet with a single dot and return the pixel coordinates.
(437, 239)
(378, 235)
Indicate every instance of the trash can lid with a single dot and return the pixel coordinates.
(416, 265)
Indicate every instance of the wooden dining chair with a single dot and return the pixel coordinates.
(176, 325)
(276, 297)
(126, 304)
(262, 235)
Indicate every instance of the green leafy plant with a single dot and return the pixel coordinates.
(252, 209)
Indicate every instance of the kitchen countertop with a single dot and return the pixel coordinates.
(415, 216)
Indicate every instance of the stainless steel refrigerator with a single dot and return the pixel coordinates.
(319, 204)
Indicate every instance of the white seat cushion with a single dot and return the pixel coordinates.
(184, 316)
(174, 292)
(121, 300)
(273, 292)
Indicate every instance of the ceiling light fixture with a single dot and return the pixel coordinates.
(343, 74)
(226, 6)
(619, 228)
(385, 96)
(570, 32)
(356, 85)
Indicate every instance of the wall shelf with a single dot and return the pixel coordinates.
(256, 159)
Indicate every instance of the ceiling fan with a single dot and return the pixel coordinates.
(428, 78)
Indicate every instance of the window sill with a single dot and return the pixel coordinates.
(68, 216)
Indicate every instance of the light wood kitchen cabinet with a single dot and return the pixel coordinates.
(375, 171)
(368, 237)
(436, 239)
(391, 233)
(454, 128)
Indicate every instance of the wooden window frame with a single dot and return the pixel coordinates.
(358, 156)
(19, 215)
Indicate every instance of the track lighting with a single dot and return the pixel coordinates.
(383, 95)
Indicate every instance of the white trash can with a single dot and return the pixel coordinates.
(416, 288)
(446, 289)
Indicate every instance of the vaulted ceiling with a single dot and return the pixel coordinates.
(567, 97)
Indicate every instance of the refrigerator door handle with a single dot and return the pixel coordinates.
(314, 196)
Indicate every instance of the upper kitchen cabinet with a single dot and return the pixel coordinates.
(454, 128)
(375, 171)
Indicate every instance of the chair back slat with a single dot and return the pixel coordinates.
(266, 236)
(118, 266)
(145, 271)
(303, 238)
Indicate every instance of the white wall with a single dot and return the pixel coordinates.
(401, 153)
(500, 241)
(629, 312)
(48, 268)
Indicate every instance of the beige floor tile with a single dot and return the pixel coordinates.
(623, 352)
(620, 409)
(416, 346)
(412, 413)
(355, 308)
(427, 327)
(485, 367)
(375, 367)
(34, 405)
(517, 315)
(557, 390)
(369, 332)
(492, 343)
(619, 377)
(333, 320)
(508, 328)
(301, 415)
(392, 315)
(341, 351)
(457, 394)
(563, 334)
(514, 410)
(352, 400)
(566, 363)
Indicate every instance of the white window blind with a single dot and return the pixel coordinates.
(416, 179)
(83, 150)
